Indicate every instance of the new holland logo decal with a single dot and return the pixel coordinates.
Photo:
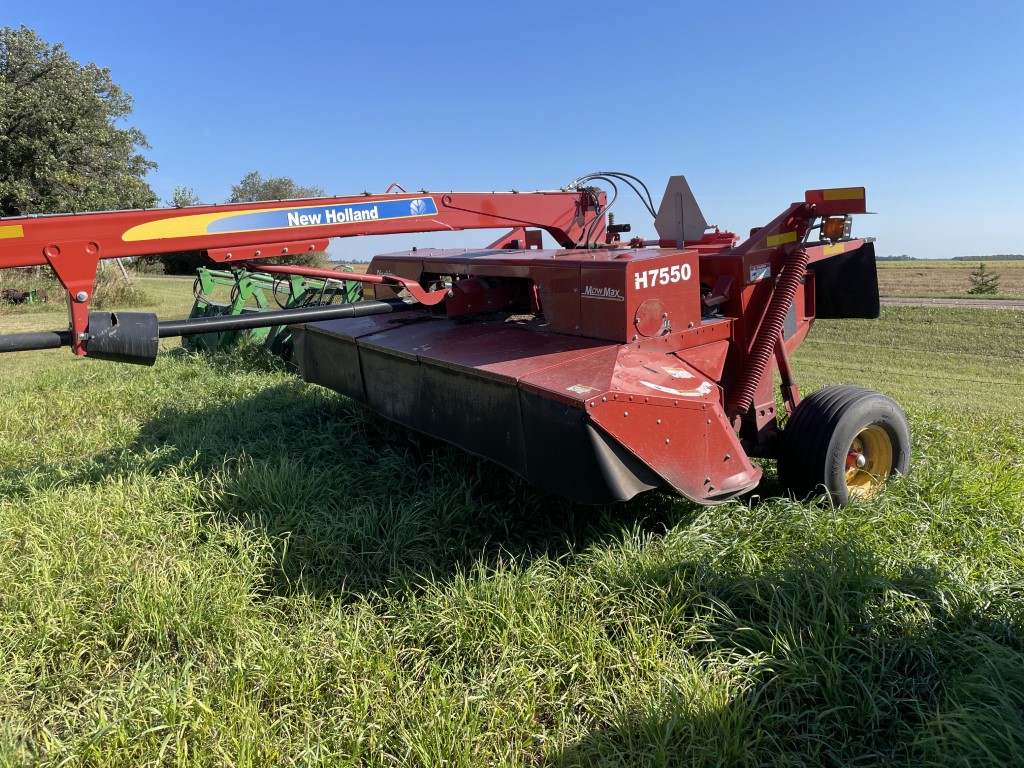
(261, 219)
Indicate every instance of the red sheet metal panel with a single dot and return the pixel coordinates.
(576, 380)
(356, 327)
(690, 444)
(493, 350)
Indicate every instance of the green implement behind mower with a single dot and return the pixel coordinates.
(252, 292)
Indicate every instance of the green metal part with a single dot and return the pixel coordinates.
(239, 291)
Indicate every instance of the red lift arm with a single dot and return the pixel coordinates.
(73, 244)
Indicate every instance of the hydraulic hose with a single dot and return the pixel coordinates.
(769, 332)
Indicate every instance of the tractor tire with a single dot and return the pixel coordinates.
(845, 441)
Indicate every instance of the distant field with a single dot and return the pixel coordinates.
(951, 264)
(943, 277)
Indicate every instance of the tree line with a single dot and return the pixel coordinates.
(996, 257)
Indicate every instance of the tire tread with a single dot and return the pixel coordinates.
(807, 449)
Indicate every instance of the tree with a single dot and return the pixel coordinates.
(61, 148)
(984, 281)
(253, 188)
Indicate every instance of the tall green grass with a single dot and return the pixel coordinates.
(111, 291)
(209, 562)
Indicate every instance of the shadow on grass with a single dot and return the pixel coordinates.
(833, 660)
(348, 502)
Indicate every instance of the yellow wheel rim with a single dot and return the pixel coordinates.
(868, 461)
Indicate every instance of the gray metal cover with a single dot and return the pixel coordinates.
(679, 217)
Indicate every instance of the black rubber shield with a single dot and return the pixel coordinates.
(846, 286)
(124, 337)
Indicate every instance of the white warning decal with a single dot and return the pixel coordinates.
(700, 391)
(581, 389)
(678, 373)
(760, 272)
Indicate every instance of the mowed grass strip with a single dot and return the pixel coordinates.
(209, 562)
(954, 360)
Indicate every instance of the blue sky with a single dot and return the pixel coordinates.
(922, 103)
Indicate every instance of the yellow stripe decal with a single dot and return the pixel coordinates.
(785, 237)
(832, 250)
(844, 193)
(11, 231)
(181, 226)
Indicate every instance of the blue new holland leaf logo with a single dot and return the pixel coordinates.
(417, 207)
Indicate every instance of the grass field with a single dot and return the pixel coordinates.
(209, 562)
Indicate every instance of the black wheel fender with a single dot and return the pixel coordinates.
(835, 429)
